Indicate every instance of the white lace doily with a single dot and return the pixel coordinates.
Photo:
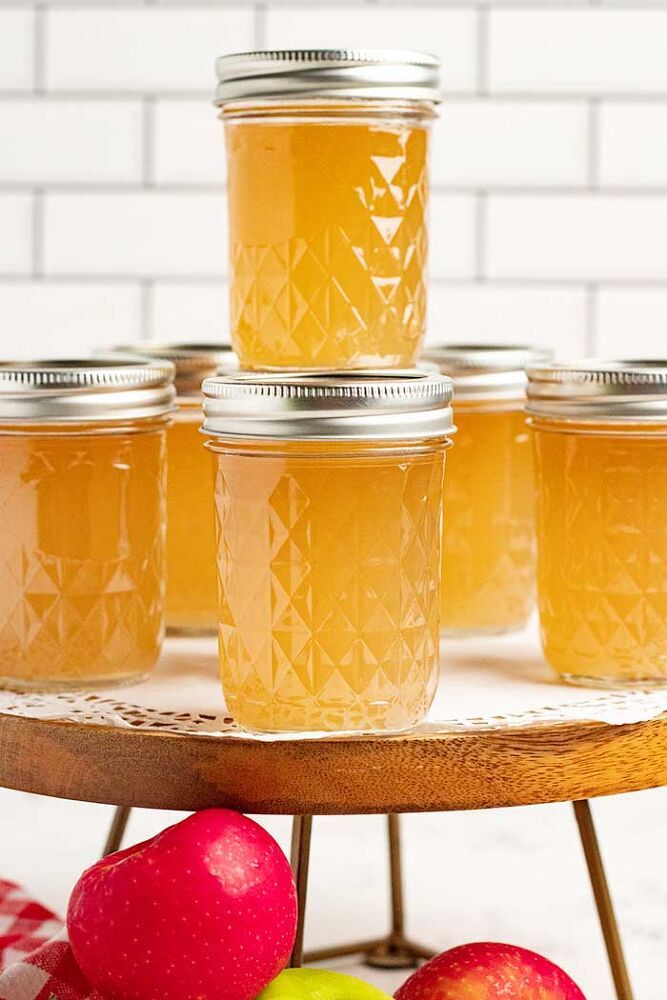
(485, 684)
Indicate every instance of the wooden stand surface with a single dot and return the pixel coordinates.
(413, 773)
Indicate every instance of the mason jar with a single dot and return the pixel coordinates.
(327, 181)
(488, 582)
(82, 478)
(192, 582)
(600, 430)
(329, 499)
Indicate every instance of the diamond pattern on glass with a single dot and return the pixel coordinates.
(489, 544)
(602, 568)
(82, 556)
(329, 589)
(336, 276)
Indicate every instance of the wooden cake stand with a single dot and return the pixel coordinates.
(529, 764)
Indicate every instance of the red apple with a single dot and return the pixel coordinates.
(489, 971)
(204, 911)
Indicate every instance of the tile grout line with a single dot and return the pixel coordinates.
(37, 234)
(557, 283)
(480, 237)
(513, 5)
(39, 49)
(449, 5)
(206, 188)
(259, 25)
(591, 321)
(148, 142)
(593, 145)
(482, 51)
(146, 307)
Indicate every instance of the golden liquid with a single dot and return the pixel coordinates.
(602, 552)
(329, 565)
(192, 580)
(488, 547)
(81, 554)
(327, 240)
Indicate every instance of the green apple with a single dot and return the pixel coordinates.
(318, 984)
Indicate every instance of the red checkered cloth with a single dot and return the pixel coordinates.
(36, 962)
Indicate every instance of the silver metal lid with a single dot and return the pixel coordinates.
(331, 74)
(84, 390)
(486, 371)
(193, 362)
(406, 405)
(592, 389)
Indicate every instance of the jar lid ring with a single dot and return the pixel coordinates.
(362, 405)
(85, 389)
(280, 74)
(632, 390)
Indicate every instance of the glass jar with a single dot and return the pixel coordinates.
(488, 547)
(329, 500)
(192, 580)
(600, 432)
(82, 460)
(327, 192)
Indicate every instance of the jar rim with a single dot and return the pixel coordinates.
(85, 389)
(623, 390)
(369, 405)
(279, 74)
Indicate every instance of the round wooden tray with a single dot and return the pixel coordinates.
(556, 763)
(484, 767)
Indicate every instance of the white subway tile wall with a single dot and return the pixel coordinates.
(158, 50)
(549, 165)
(72, 141)
(17, 46)
(148, 233)
(450, 34)
(67, 318)
(576, 237)
(16, 226)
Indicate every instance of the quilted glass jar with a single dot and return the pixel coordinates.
(82, 461)
(327, 190)
(329, 501)
(601, 446)
(488, 582)
(192, 582)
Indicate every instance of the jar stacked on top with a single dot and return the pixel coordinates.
(328, 188)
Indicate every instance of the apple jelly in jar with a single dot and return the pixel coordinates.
(488, 582)
(82, 495)
(329, 501)
(327, 182)
(192, 582)
(600, 432)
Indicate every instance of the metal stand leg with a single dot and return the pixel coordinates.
(605, 907)
(302, 827)
(116, 830)
(394, 951)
